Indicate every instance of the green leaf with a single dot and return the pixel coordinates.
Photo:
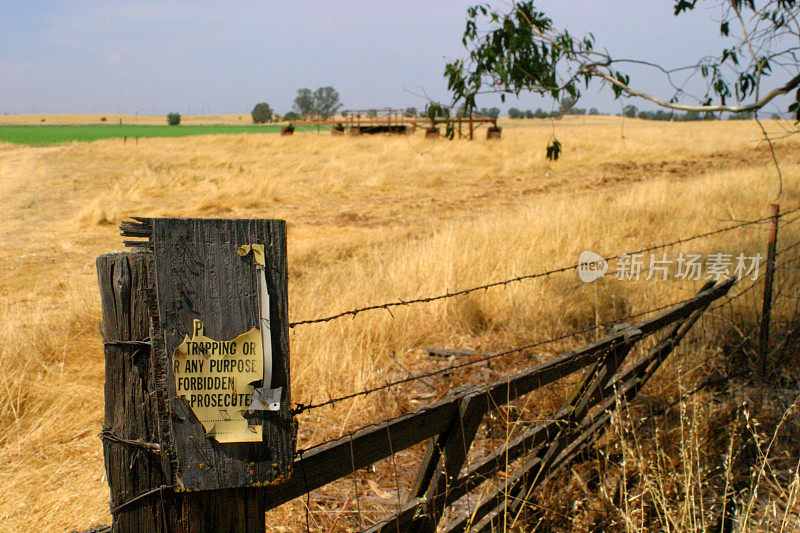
(684, 5)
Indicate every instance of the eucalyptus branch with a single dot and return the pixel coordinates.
(792, 84)
(523, 52)
(759, 64)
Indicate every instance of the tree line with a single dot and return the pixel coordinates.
(320, 103)
(631, 111)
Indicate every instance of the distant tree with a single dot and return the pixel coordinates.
(662, 115)
(594, 111)
(173, 119)
(748, 115)
(540, 113)
(515, 113)
(690, 116)
(304, 102)
(326, 101)
(261, 113)
(434, 110)
(492, 112)
(291, 116)
(410, 112)
(629, 111)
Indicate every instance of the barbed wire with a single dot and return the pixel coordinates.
(388, 305)
(728, 300)
(790, 221)
(299, 407)
(686, 389)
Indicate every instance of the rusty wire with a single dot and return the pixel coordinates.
(299, 407)
(153, 447)
(388, 305)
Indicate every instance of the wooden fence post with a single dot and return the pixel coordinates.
(131, 449)
(168, 469)
(766, 309)
(142, 499)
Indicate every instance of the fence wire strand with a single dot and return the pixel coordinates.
(299, 408)
(740, 309)
(389, 305)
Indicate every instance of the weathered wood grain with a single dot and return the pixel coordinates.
(153, 444)
(200, 276)
(131, 469)
(589, 407)
(142, 499)
(624, 388)
(452, 447)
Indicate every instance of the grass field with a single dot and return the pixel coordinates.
(113, 118)
(43, 135)
(370, 219)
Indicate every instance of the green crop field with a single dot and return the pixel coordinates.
(42, 135)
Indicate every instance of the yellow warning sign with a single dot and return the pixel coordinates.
(216, 380)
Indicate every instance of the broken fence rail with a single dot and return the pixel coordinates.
(451, 425)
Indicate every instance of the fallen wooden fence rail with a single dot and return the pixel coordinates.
(451, 425)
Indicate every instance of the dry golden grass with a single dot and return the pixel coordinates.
(371, 219)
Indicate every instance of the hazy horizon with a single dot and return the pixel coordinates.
(152, 58)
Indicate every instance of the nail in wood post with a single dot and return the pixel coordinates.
(766, 309)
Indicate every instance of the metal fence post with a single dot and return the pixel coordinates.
(766, 309)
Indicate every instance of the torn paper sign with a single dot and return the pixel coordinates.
(216, 380)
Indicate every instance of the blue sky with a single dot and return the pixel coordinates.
(224, 57)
